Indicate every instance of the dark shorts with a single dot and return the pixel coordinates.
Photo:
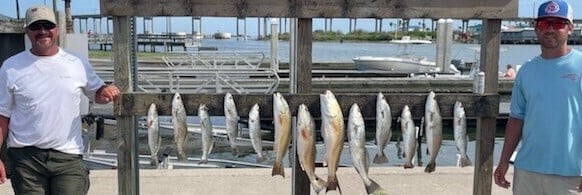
(47, 171)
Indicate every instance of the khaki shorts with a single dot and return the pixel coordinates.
(47, 171)
(531, 183)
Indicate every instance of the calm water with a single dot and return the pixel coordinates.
(346, 51)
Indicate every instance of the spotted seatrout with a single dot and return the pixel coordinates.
(332, 123)
(255, 132)
(231, 115)
(383, 128)
(180, 125)
(460, 130)
(282, 121)
(206, 128)
(408, 136)
(154, 138)
(434, 130)
(360, 160)
(306, 147)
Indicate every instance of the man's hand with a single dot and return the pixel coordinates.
(2, 173)
(499, 175)
(106, 94)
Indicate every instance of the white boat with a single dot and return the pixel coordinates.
(222, 35)
(403, 62)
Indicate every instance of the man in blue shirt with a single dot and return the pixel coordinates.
(546, 108)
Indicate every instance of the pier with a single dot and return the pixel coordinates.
(253, 181)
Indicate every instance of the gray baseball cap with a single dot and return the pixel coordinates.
(38, 13)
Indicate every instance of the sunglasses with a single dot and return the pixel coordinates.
(556, 24)
(42, 25)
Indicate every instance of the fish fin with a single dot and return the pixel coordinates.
(318, 185)
(211, 147)
(332, 184)
(278, 169)
(261, 158)
(380, 159)
(375, 188)
(465, 161)
(430, 167)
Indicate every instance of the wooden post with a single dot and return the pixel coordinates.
(490, 41)
(301, 182)
(127, 161)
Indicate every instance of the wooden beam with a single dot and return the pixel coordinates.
(127, 166)
(456, 9)
(490, 43)
(476, 105)
(301, 184)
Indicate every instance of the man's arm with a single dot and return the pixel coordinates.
(513, 132)
(3, 135)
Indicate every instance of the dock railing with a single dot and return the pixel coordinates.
(205, 72)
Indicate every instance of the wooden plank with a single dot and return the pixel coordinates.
(301, 184)
(490, 43)
(128, 167)
(463, 9)
(475, 105)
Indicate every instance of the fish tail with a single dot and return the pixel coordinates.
(234, 150)
(375, 188)
(465, 161)
(380, 158)
(408, 165)
(154, 161)
(181, 156)
(430, 167)
(332, 184)
(203, 161)
(261, 158)
(319, 185)
(278, 169)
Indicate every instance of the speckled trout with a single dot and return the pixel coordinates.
(383, 128)
(461, 138)
(282, 121)
(180, 125)
(206, 128)
(255, 132)
(360, 159)
(434, 130)
(332, 123)
(154, 138)
(231, 115)
(408, 136)
(306, 147)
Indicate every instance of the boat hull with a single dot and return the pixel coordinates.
(395, 64)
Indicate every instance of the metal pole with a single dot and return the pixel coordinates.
(274, 45)
(293, 55)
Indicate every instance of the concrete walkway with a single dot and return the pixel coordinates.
(396, 180)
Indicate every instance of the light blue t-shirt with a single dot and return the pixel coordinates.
(547, 95)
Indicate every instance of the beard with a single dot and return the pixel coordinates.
(551, 41)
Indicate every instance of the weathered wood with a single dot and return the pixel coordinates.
(128, 165)
(456, 9)
(490, 41)
(475, 105)
(301, 184)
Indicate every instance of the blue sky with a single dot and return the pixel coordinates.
(211, 25)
